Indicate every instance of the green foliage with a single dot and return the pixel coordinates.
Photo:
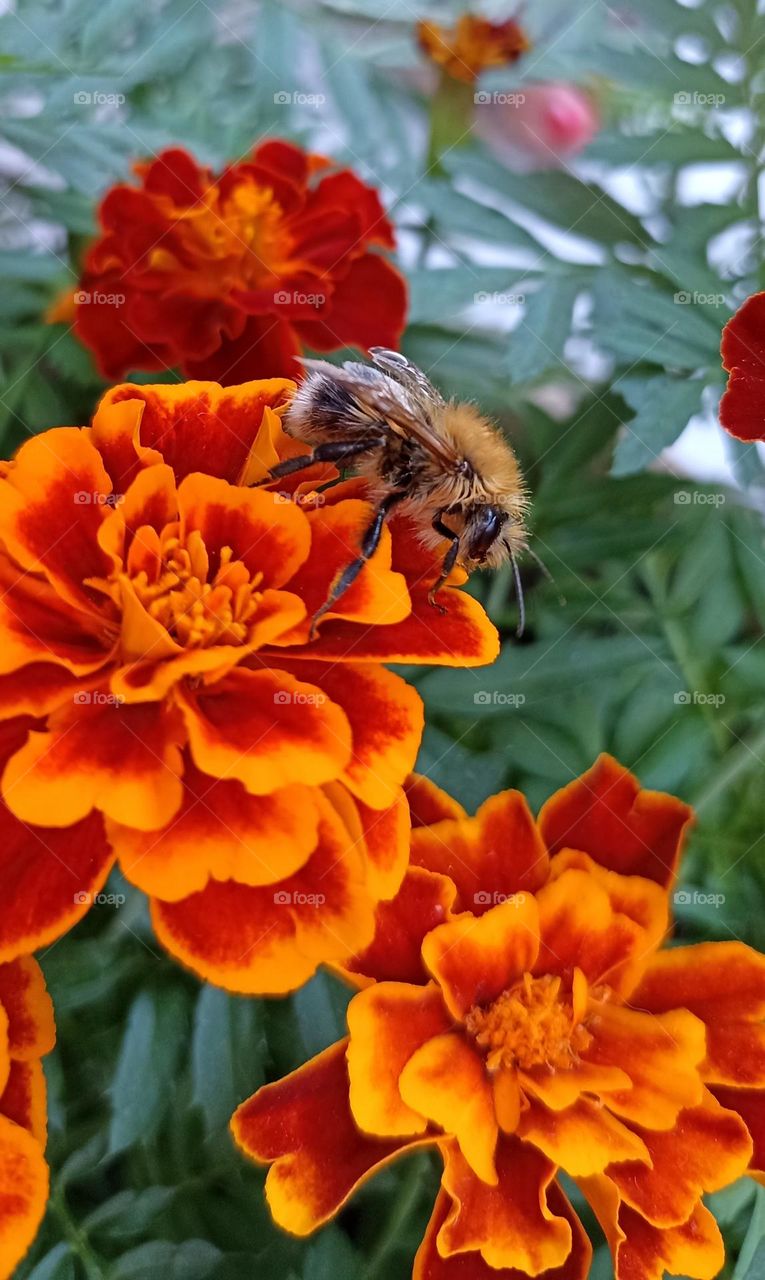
(583, 306)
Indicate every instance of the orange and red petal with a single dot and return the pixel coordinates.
(661, 1054)
(53, 499)
(428, 803)
(582, 1139)
(489, 857)
(264, 346)
(304, 1124)
(24, 1098)
(446, 1081)
(715, 980)
(707, 1149)
(220, 832)
(511, 1224)
(347, 319)
(38, 627)
(98, 754)
(475, 959)
(750, 1105)
(606, 814)
(388, 1023)
(694, 1249)
(382, 834)
(270, 940)
(430, 1265)
(423, 902)
(267, 730)
(192, 426)
(23, 1192)
(742, 408)
(25, 999)
(386, 720)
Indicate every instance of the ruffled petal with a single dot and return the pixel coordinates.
(383, 834)
(715, 980)
(606, 814)
(661, 1054)
(445, 1080)
(497, 853)
(267, 730)
(476, 958)
(750, 1105)
(303, 1124)
(423, 902)
(23, 1192)
(223, 832)
(429, 1265)
(24, 997)
(583, 1139)
(270, 940)
(24, 1098)
(742, 408)
(429, 803)
(388, 1022)
(706, 1150)
(98, 754)
(510, 1224)
(37, 626)
(349, 319)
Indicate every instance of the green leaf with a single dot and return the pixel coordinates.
(663, 406)
(537, 343)
(56, 1265)
(192, 1260)
(148, 1059)
(227, 1052)
(749, 1264)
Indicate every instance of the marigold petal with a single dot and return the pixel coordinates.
(267, 730)
(693, 1249)
(23, 1192)
(742, 408)
(424, 901)
(561, 1089)
(270, 940)
(123, 760)
(428, 803)
(750, 1105)
(36, 690)
(220, 832)
(53, 500)
(349, 318)
(192, 426)
(583, 1139)
(429, 1265)
(707, 1148)
(476, 958)
(445, 1080)
(383, 833)
(507, 1099)
(661, 1054)
(489, 857)
(510, 1224)
(38, 626)
(24, 1099)
(715, 980)
(387, 1023)
(303, 1124)
(606, 814)
(25, 999)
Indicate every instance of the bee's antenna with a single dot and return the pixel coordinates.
(545, 571)
(519, 592)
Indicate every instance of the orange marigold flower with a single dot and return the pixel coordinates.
(742, 408)
(472, 45)
(518, 1012)
(163, 702)
(229, 276)
(27, 1032)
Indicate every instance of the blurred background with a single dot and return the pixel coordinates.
(576, 227)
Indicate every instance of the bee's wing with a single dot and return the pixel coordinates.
(406, 403)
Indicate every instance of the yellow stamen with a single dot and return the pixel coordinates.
(531, 1024)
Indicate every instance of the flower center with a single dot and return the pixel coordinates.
(198, 609)
(532, 1024)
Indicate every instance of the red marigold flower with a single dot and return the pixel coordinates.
(517, 1011)
(472, 45)
(230, 276)
(742, 408)
(27, 1032)
(163, 702)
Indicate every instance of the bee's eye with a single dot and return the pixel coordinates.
(483, 531)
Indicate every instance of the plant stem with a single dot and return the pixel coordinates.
(93, 1267)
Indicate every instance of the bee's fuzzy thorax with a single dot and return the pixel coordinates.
(478, 440)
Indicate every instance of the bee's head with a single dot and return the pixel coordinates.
(490, 535)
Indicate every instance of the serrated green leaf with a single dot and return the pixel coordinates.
(663, 406)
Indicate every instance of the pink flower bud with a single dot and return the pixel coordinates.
(542, 122)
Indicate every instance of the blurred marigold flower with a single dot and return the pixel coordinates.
(742, 408)
(229, 276)
(163, 703)
(472, 45)
(518, 1012)
(27, 1032)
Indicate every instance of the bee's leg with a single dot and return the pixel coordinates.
(369, 545)
(331, 451)
(448, 563)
